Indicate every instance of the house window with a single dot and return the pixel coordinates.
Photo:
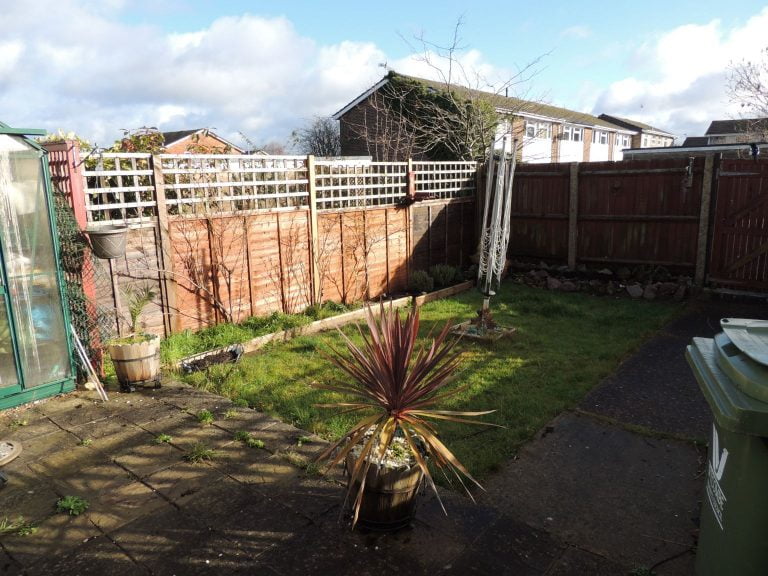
(573, 133)
(622, 141)
(600, 137)
(539, 130)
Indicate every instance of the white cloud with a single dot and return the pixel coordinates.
(64, 64)
(687, 71)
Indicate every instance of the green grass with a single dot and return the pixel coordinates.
(187, 343)
(564, 346)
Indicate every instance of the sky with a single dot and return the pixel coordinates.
(254, 71)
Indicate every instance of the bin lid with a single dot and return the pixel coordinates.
(749, 336)
(732, 408)
(749, 376)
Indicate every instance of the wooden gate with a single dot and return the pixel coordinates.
(739, 256)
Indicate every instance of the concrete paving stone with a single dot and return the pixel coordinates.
(38, 447)
(462, 519)
(509, 541)
(188, 431)
(331, 548)
(93, 430)
(621, 487)
(38, 426)
(193, 400)
(182, 480)
(424, 548)
(179, 419)
(27, 497)
(238, 418)
(55, 536)
(8, 566)
(243, 515)
(79, 413)
(271, 470)
(311, 496)
(68, 461)
(115, 496)
(121, 440)
(98, 556)
(145, 459)
(143, 410)
(172, 542)
(577, 562)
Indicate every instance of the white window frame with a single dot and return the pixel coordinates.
(573, 133)
(538, 130)
(599, 137)
(623, 141)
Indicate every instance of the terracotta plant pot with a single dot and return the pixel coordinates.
(137, 361)
(389, 498)
(108, 241)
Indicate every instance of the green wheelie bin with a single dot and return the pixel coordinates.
(732, 372)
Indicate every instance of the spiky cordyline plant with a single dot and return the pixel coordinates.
(397, 388)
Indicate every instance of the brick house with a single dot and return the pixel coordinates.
(544, 133)
(644, 136)
(199, 141)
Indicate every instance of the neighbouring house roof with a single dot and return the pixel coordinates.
(695, 149)
(635, 125)
(738, 126)
(510, 105)
(694, 141)
(171, 138)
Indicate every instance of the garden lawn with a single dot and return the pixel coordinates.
(564, 346)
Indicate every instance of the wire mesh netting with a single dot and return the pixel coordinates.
(84, 277)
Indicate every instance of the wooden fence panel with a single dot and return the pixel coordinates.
(443, 232)
(539, 222)
(739, 257)
(191, 259)
(639, 212)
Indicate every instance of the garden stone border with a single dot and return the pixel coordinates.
(334, 322)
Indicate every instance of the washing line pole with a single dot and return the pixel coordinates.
(495, 230)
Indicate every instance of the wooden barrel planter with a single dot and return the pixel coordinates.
(136, 360)
(389, 498)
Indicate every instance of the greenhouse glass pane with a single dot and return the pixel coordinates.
(7, 361)
(27, 243)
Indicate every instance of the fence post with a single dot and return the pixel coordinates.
(165, 257)
(573, 214)
(706, 201)
(313, 232)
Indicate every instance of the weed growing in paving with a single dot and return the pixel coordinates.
(162, 439)
(72, 505)
(199, 452)
(205, 417)
(229, 414)
(17, 423)
(247, 438)
(85, 442)
(301, 440)
(18, 527)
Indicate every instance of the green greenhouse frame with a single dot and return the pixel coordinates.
(36, 354)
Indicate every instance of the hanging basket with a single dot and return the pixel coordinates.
(108, 241)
